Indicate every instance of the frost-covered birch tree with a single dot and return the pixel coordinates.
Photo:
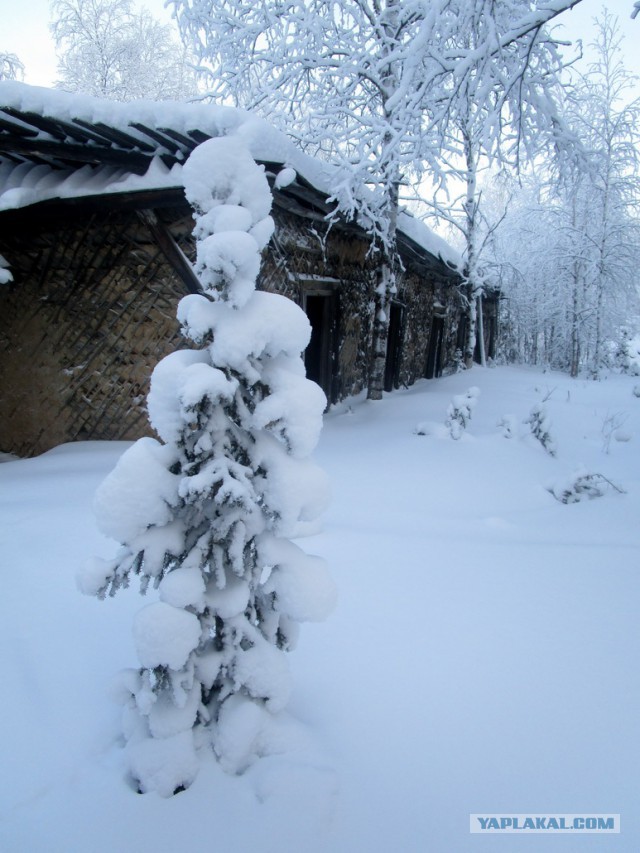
(605, 200)
(570, 252)
(375, 85)
(503, 116)
(524, 255)
(108, 49)
(203, 513)
(466, 215)
(11, 68)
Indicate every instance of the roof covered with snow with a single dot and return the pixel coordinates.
(56, 145)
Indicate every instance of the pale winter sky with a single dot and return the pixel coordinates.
(24, 30)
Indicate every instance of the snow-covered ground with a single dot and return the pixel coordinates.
(483, 657)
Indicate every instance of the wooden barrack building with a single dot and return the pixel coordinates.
(95, 248)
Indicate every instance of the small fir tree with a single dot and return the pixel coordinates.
(540, 425)
(202, 513)
(459, 412)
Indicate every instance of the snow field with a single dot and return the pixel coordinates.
(482, 657)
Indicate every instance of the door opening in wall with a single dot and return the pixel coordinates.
(434, 352)
(394, 347)
(319, 356)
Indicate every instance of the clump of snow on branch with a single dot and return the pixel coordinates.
(203, 512)
(540, 425)
(5, 273)
(285, 177)
(582, 485)
(459, 412)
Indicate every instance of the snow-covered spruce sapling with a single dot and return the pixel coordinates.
(202, 513)
(540, 425)
(628, 356)
(460, 410)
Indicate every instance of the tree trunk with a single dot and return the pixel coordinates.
(384, 292)
(473, 286)
(385, 285)
(390, 168)
(574, 366)
(483, 353)
(470, 329)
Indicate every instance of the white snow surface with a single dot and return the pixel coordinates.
(27, 184)
(483, 656)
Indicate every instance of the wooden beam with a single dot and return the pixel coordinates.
(53, 213)
(115, 135)
(189, 144)
(162, 139)
(11, 128)
(134, 161)
(172, 252)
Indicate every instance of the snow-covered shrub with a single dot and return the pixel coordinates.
(202, 512)
(508, 425)
(612, 430)
(460, 410)
(582, 485)
(540, 425)
(458, 362)
(636, 391)
(437, 430)
(630, 355)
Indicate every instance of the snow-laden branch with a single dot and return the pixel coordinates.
(389, 90)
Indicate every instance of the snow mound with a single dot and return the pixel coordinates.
(164, 765)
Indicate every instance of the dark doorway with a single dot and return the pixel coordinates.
(462, 339)
(394, 347)
(321, 309)
(434, 353)
(462, 333)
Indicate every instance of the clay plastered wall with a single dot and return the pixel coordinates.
(304, 252)
(90, 312)
(421, 293)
